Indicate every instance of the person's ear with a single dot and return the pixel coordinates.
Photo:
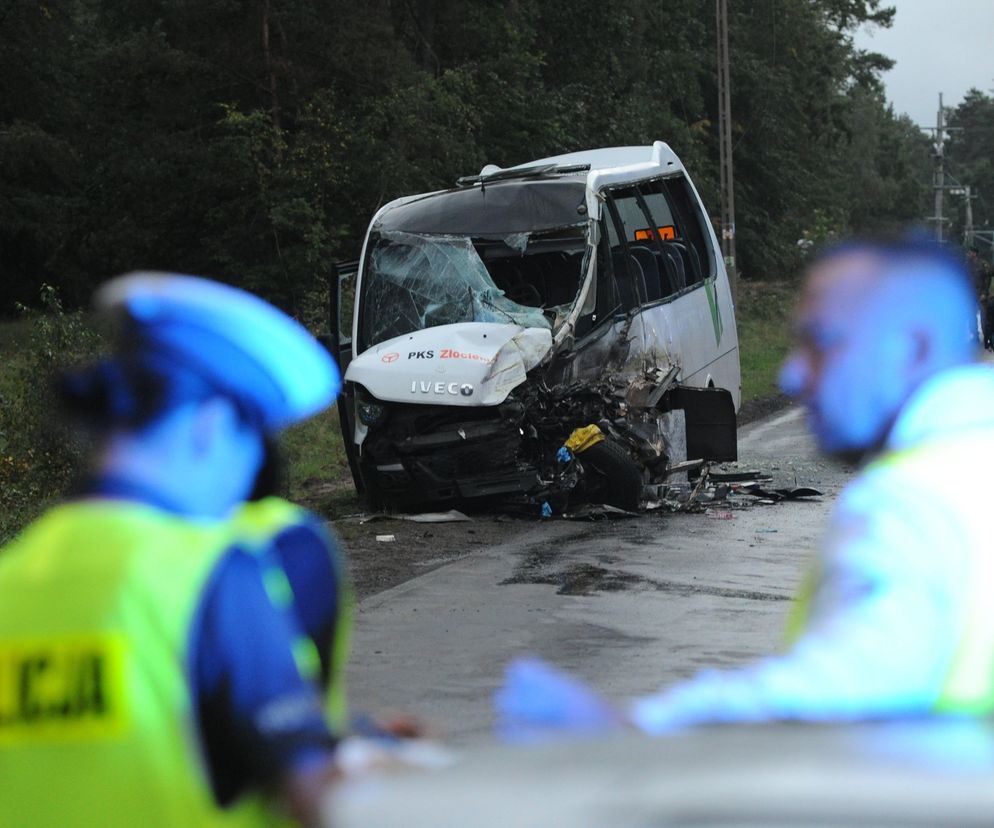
(903, 348)
(213, 419)
(910, 358)
(920, 350)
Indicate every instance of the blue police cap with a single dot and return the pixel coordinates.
(242, 345)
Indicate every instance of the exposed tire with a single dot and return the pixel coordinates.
(620, 478)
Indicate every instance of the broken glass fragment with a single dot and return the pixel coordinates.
(518, 242)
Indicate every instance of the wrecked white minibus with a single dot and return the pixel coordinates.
(552, 333)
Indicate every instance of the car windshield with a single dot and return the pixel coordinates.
(416, 280)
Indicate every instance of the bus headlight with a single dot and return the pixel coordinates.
(368, 409)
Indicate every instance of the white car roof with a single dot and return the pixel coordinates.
(656, 155)
(610, 165)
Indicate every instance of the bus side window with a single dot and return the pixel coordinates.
(674, 263)
(624, 214)
(670, 201)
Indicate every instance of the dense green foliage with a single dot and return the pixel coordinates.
(253, 139)
(40, 457)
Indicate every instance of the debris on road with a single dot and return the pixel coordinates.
(776, 495)
(451, 516)
(599, 511)
(716, 494)
(736, 489)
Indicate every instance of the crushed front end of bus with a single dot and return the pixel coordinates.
(497, 356)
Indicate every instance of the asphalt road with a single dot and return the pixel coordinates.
(630, 605)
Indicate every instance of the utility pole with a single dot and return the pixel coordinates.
(938, 179)
(968, 224)
(725, 150)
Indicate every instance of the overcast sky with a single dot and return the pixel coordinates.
(945, 46)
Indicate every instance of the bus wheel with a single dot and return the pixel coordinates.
(617, 478)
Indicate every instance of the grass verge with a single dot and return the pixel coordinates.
(318, 473)
(762, 314)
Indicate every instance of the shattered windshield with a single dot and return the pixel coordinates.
(415, 281)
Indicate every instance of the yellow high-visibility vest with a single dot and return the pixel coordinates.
(97, 726)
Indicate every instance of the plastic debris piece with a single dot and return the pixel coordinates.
(705, 474)
(599, 511)
(801, 492)
(739, 476)
(776, 495)
(564, 455)
(716, 515)
(546, 510)
(386, 538)
(451, 516)
(686, 465)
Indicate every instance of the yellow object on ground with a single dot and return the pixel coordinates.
(583, 438)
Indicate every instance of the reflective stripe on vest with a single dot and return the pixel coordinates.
(97, 601)
(968, 686)
(258, 523)
(800, 607)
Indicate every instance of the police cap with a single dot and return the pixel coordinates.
(242, 345)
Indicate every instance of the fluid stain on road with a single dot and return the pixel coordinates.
(585, 579)
(542, 564)
(581, 579)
